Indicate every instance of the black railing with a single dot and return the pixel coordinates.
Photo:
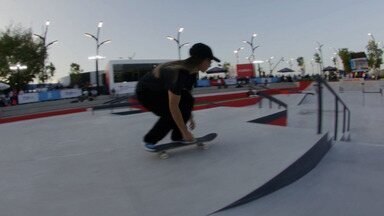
(118, 99)
(380, 91)
(119, 102)
(305, 97)
(346, 119)
(271, 99)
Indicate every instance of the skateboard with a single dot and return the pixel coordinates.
(162, 149)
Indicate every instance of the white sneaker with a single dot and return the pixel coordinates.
(150, 147)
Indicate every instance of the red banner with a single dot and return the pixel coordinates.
(245, 70)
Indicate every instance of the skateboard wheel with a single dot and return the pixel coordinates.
(163, 155)
(202, 146)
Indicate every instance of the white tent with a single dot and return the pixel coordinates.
(3, 86)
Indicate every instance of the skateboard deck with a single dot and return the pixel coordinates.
(161, 149)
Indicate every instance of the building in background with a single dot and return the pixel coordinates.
(359, 64)
(86, 79)
(121, 76)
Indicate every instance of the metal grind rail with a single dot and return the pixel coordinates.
(346, 111)
(271, 99)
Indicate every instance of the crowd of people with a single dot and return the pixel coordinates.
(8, 98)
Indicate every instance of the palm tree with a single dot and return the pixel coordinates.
(300, 63)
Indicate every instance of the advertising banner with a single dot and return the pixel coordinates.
(28, 98)
(203, 83)
(231, 81)
(49, 95)
(245, 70)
(265, 80)
(70, 93)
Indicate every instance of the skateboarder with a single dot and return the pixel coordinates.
(166, 91)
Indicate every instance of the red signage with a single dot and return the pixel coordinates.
(245, 70)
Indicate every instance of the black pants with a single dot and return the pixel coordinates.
(158, 104)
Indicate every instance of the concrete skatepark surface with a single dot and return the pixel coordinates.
(350, 178)
(103, 161)
(84, 164)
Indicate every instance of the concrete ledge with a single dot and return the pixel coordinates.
(41, 115)
(279, 118)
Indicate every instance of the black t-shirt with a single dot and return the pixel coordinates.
(172, 78)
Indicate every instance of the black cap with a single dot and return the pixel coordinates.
(202, 51)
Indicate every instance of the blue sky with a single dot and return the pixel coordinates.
(285, 28)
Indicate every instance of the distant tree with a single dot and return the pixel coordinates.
(301, 64)
(317, 58)
(375, 58)
(334, 61)
(47, 73)
(345, 57)
(18, 46)
(74, 74)
(226, 66)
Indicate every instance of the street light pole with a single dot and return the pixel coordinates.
(177, 40)
(237, 53)
(270, 64)
(280, 60)
(258, 62)
(313, 68)
(290, 63)
(371, 35)
(253, 47)
(44, 39)
(321, 56)
(97, 57)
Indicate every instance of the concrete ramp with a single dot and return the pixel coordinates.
(348, 181)
(85, 164)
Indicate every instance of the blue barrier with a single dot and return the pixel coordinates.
(262, 80)
(203, 83)
(50, 95)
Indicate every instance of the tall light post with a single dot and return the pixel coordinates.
(313, 66)
(237, 53)
(290, 63)
(97, 57)
(46, 45)
(371, 35)
(251, 58)
(280, 60)
(334, 61)
(319, 48)
(253, 47)
(258, 62)
(177, 40)
(270, 64)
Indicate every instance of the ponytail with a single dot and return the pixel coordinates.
(187, 64)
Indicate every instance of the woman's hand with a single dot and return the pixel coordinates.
(174, 101)
(188, 136)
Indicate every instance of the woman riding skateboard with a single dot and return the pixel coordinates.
(166, 91)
